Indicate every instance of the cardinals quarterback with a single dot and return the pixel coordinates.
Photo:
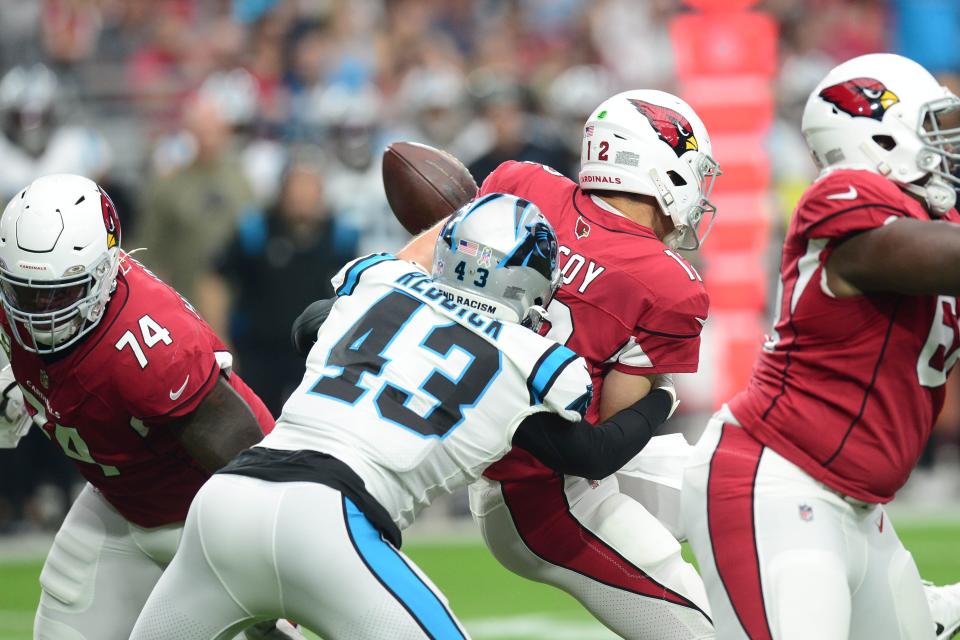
(783, 497)
(633, 308)
(120, 372)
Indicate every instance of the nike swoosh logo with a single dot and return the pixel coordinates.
(175, 395)
(846, 195)
(702, 321)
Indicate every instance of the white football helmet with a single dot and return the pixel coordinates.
(59, 255)
(883, 113)
(498, 255)
(652, 143)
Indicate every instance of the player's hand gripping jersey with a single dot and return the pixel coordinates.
(848, 388)
(106, 402)
(627, 302)
(418, 394)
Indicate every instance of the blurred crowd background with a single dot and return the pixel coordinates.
(241, 139)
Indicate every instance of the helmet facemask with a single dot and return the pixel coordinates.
(48, 316)
(687, 223)
(939, 132)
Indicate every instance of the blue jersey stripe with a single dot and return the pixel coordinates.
(547, 370)
(353, 273)
(394, 573)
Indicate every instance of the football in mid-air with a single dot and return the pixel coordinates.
(424, 184)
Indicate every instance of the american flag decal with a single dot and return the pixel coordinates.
(467, 247)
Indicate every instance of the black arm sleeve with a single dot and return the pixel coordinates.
(305, 327)
(593, 451)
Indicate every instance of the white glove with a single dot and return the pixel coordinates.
(15, 422)
(665, 381)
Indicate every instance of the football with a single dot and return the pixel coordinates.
(424, 184)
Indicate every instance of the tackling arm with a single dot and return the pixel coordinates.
(594, 451)
(913, 257)
(219, 428)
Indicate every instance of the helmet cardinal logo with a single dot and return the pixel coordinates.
(670, 125)
(861, 97)
(111, 222)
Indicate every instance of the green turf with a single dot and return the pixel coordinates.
(493, 603)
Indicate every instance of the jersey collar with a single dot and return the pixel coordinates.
(608, 217)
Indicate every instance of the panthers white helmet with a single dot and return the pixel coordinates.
(883, 113)
(498, 255)
(59, 255)
(653, 143)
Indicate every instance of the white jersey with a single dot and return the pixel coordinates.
(416, 393)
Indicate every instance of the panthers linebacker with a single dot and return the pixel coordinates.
(414, 386)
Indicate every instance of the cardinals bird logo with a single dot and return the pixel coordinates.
(111, 222)
(670, 125)
(582, 230)
(861, 97)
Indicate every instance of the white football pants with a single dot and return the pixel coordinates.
(598, 545)
(99, 572)
(785, 557)
(253, 549)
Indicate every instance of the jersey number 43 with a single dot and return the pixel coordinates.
(365, 349)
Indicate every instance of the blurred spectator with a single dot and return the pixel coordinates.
(273, 267)
(189, 215)
(34, 140)
(515, 135)
(351, 120)
(571, 98)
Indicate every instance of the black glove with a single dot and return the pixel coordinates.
(305, 327)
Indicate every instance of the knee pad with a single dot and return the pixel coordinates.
(71, 566)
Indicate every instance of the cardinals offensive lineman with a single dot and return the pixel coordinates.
(783, 498)
(120, 372)
(633, 308)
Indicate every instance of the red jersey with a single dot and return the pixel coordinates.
(627, 301)
(848, 388)
(107, 400)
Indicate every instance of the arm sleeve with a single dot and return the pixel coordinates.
(305, 327)
(593, 451)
